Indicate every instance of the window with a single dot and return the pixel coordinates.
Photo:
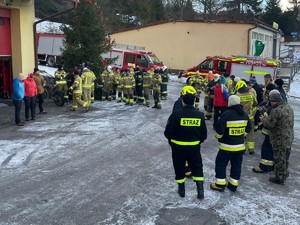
(130, 58)
(141, 61)
(1, 21)
(222, 65)
(207, 65)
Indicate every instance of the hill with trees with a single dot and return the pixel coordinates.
(119, 14)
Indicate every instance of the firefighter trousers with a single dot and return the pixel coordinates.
(86, 95)
(250, 138)
(190, 154)
(63, 88)
(267, 159)
(147, 95)
(222, 160)
(77, 100)
(157, 98)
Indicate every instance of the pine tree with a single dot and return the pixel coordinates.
(272, 12)
(85, 37)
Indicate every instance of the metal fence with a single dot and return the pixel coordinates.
(287, 73)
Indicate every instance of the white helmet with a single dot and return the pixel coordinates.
(109, 68)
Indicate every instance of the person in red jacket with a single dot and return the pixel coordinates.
(221, 98)
(30, 96)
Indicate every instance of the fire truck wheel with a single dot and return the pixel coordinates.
(51, 61)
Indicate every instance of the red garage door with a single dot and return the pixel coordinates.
(5, 54)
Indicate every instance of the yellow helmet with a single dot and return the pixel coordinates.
(188, 90)
(240, 84)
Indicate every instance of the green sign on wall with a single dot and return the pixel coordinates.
(259, 47)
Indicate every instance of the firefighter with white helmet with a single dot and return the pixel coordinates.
(88, 78)
(185, 131)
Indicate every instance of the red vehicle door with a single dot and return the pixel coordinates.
(129, 60)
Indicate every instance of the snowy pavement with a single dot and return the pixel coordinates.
(112, 165)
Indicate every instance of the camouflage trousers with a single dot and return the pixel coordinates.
(281, 161)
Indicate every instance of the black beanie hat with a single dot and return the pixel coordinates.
(188, 99)
(279, 82)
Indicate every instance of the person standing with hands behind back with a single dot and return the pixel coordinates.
(18, 96)
(40, 83)
(185, 131)
(30, 96)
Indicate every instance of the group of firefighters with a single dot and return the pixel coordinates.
(239, 107)
(82, 87)
(125, 85)
(135, 85)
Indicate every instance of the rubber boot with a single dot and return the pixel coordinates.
(200, 190)
(181, 190)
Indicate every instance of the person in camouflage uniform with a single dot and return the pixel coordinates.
(198, 83)
(280, 124)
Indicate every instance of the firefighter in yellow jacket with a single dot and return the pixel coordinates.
(88, 78)
(147, 87)
(60, 79)
(198, 83)
(156, 82)
(77, 92)
(128, 87)
(249, 102)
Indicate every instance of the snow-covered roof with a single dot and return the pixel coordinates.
(49, 27)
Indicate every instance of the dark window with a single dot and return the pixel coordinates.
(222, 66)
(141, 61)
(1, 21)
(207, 65)
(130, 58)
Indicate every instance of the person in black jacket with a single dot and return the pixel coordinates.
(185, 131)
(231, 130)
(279, 86)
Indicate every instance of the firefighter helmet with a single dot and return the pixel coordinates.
(188, 90)
(240, 84)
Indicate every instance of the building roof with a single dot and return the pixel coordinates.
(255, 23)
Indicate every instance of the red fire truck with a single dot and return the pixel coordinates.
(240, 66)
(126, 58)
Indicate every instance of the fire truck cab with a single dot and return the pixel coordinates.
(126, 59)
(240, 66)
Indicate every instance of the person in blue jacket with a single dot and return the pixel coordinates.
(18, 96)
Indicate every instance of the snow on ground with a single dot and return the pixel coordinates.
(54, 171)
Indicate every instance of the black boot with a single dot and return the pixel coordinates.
(181, 190)
(200, 190)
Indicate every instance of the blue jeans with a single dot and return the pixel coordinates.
(18, 106)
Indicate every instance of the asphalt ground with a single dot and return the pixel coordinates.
(112, 165)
